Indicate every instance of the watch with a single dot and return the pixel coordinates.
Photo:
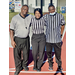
(61, 34)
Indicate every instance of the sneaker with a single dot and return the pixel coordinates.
(39, 69)
(50, 68)
(16, 73)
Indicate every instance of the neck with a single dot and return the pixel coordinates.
(22, 15)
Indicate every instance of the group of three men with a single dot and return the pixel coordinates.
(19, 34)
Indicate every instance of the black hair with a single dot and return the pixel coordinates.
(51, 5)
(25, 5)
(39, 10)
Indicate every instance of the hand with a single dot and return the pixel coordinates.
(13, 44)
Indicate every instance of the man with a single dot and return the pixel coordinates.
(54, 30)
(19, 34)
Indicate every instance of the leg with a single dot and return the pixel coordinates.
(26, 50)
(17, 56)
(34, 52)
(49, 53)
(41, 52)
(57, 48)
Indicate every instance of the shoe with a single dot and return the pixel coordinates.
(34, 68)
(16, 73)
(50, 68)
(26, 68)
(59, 68)
(38, 69)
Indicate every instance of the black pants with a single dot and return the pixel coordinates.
(38, 49)
(57, 49)
(21, 44)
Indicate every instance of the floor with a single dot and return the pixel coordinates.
(44, 70)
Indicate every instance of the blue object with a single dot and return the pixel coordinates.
(10, 2)
(63, 9)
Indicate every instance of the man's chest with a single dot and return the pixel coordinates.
(22, 23)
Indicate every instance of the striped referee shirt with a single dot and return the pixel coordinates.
(53, 27)
(37, 25)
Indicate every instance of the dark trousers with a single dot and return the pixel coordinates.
(21, 44)
(57, 49)
(38, 49)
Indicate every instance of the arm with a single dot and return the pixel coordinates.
(12, 38)
(62, 25)
(62, 30)
(12, 28)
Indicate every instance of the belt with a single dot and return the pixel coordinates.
(22, 38)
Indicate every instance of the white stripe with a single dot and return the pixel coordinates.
(41, 71)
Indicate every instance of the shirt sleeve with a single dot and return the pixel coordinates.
(45, 19)
(12, 24)
(62, 20)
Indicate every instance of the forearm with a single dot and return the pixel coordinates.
(12, 35)
(62, 29)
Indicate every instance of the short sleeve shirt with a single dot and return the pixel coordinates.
(20, 25)
(53, 27)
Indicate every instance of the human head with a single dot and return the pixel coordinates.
(24, 10)
(38, 13)
(51, 8)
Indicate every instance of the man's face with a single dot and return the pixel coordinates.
(51, 9)
(24, 10)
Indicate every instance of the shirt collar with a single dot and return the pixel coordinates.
(24, 17)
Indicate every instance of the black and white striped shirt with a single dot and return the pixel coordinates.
(53, 27)
(37, 25)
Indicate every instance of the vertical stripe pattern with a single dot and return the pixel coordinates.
(37, 25)
(53, 27)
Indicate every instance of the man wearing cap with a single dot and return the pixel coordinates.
(19, 34)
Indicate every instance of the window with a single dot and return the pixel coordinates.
(38, 2)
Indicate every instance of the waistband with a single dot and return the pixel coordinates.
(38, 34)
(21, 38)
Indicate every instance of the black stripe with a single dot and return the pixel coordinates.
(51, 27)
(12, 29)
(38, 27)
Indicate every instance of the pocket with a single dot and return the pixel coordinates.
(43, 37)
(58, 45)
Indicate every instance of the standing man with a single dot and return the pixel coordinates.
(19, 34)
(54, 31)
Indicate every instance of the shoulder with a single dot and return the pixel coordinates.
(15, 17)
(32, 17)
(59, 14)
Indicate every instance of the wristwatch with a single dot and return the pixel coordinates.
(61, 34)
